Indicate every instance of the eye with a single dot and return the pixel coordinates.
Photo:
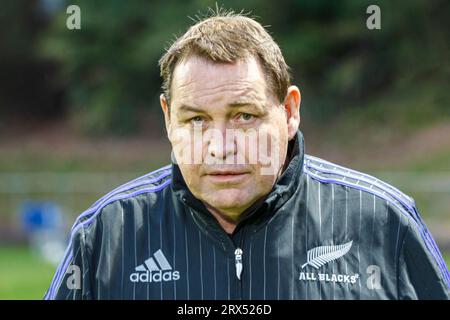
(246, 117)
(197, 120)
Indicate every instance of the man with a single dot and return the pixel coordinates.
(242, 212)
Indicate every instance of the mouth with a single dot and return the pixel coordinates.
(227, 176)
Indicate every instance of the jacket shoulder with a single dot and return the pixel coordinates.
(330, 173)
(152, 182)
(401, 205)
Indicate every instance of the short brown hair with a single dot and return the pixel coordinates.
(226, 38)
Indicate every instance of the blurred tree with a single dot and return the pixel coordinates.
(111, 63)
(27, 89)
(109, 68)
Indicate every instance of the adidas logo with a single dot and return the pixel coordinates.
(155, 270)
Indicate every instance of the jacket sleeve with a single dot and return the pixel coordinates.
(72, 278)
(422, 273)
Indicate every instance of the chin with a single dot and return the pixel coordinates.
(228, 199)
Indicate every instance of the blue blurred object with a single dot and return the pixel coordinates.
(43, 221)
(40, 215)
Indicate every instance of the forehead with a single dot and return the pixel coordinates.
(199, 80)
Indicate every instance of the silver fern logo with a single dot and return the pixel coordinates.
(322, 255)
(319, 257)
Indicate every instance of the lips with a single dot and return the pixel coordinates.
(227, 175)
(225, 171)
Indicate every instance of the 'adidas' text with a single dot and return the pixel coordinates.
(156, 276)
(150, 271)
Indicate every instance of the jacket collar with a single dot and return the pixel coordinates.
(282, 191)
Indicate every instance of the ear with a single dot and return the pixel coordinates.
(166, 110)
(292, 108)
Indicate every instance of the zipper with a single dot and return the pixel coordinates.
(239, 266)
(238, 261)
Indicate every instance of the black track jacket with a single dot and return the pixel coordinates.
(323, 232)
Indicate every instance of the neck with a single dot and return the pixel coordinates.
(228, 221)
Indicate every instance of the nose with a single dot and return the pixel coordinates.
(221, 143)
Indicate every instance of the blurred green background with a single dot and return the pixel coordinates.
(79, 109)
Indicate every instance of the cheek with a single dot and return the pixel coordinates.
(190, 175)
(187, 146)
(272, 148)
(264, 183)
(280, 133)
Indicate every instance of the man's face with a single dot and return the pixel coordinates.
(228, 132)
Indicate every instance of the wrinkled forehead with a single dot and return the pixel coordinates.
(197, 79)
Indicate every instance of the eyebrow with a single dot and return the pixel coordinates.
(236, 104)
(185, 107)
(242, 103)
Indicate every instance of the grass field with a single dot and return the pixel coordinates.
(25, 276)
